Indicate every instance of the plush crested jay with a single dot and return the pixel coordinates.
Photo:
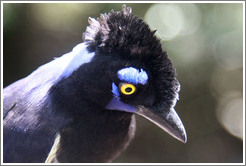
(81, 106)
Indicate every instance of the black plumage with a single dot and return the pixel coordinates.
(74, 105)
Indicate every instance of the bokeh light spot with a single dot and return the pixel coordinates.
(228, 50)
(173, 20)
(230, 113)
(167, 19)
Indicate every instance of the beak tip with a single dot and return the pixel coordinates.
(182, 137)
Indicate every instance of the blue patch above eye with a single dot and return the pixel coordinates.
(133, 75)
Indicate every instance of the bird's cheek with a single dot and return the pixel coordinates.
(116, 104)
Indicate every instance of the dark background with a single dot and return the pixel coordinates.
(205, 44)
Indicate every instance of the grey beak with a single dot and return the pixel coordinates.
(169, 122)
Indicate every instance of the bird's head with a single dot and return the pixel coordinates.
(129, 71)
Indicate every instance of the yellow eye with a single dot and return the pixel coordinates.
(127, 89)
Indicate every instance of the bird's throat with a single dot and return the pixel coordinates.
(96, 138)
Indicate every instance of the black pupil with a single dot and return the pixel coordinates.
(128, 90)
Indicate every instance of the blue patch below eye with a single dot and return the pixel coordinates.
(133, 75)
(116, 104)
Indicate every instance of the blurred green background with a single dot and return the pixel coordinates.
(204, 42)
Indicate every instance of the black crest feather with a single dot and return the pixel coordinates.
(122, 32)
